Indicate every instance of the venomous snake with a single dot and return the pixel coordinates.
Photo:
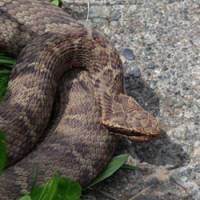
(65, 98)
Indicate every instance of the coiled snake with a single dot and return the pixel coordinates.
(70, 128)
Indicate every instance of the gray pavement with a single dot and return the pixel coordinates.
(159, 43)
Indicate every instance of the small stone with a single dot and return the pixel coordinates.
(128, 54)
(135, 72)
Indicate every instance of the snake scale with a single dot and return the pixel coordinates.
(65, 103)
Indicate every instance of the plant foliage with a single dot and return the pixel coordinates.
(57, 2)
(3, 155)
(58, 188)
(116, 163)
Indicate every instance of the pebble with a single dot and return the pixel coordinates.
(128, 54)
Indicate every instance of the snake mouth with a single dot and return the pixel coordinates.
(139, 131)
(141, 138)
(135, 136)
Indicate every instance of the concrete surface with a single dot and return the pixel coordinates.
(159, 43)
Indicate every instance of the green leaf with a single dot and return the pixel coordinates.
(113, 166)
(58, 188)
(4, 78)
(129, 167)
(5, 71)
(68, 189)
(56, 2)
(6, 60)
(3, 155)
(46, 192)
(27, 197)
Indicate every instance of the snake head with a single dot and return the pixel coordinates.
(126, 117)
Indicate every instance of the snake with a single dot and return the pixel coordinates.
(65, 107)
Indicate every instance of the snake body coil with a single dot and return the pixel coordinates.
(68, 83)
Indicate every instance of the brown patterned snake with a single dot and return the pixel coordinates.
(89, 105)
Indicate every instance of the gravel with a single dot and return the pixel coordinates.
(128, 54)
(159, 43)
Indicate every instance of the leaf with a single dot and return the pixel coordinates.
(68, 189)
(113, 166)
(129, 167)
(27, 197)
(56, 2)
(7, 60)
(46, 192)
(58, 188)
(5, 72)
(4, 78)
(3, 155)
